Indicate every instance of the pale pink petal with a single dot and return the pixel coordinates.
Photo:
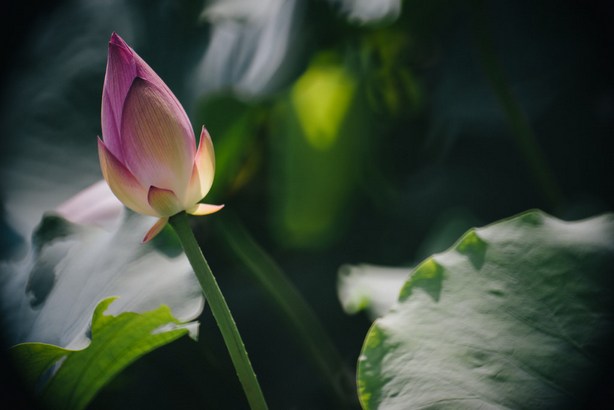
(158, 148)
(123, 184)
(203, 171)
(164, 201)
(155, 229)
(95, 205)
(204, 209)
(121, 71)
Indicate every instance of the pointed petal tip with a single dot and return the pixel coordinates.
(204, 133)
(203, 170)
(116, 39)
(103, 150)
(204, 209)
(119, 47)
(155, 229)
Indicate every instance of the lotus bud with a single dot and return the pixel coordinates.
(148, 153)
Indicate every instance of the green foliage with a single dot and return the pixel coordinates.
(319, 147)
(236, 142)
(517, 314)
(117, 341)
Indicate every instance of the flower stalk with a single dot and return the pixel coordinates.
(149, 158)
(220, 311)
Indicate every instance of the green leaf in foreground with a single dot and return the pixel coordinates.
(117, 341)
(518, 314)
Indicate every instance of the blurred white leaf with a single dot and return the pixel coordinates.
(370, 11)
(249, 45)
(369, 287)
(50, 294)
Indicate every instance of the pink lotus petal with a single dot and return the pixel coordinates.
(155, 229)
(203, 209)
(157, 149)
(144, 71)
(121, 71)
(203, 171)
(95, 205)
(123, 184)
(164, 201)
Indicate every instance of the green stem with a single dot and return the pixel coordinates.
(516, 117)
(220, 311)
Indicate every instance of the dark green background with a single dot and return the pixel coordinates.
(427, 152)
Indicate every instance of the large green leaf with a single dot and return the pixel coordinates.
(117, 341)
(376, 288)
(516, 315)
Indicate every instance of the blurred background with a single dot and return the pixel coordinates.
(346, 132)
